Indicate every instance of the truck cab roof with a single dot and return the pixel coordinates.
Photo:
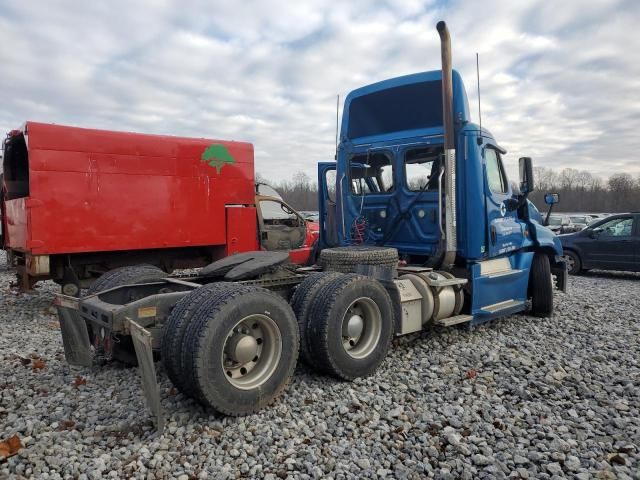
(401, 107)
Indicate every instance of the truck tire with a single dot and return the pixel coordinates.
(301, 301)
(345, 259)
(541, 286)
(184, 356)
(126, 276)
(350, 326)
(574, 264)
(124, 350)
(176, 326)
(240, 350)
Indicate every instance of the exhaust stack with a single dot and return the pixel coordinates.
(450, 242)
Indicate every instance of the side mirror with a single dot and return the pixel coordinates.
(526, 175)
(595, 233)
(551, 198)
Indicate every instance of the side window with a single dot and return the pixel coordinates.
(422, 167)
(267, 191)
(620, 227)
(496, 178)
(371, 174)
(276, 213)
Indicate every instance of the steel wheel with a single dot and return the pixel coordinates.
(251, 351)
(361, 327)
(570, 261)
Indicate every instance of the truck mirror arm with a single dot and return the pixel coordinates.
(515, 203)
(546, 220)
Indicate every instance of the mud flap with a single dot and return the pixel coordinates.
(142, 342)
(75, 337)
(559, 269)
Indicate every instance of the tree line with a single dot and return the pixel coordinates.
(299, 192)
(579, 191)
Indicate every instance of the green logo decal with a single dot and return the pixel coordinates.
(216, 156)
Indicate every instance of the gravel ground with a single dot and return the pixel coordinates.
(521, 397)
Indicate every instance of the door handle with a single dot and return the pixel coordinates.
(494, 235)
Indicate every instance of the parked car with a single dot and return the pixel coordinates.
(310, 215)
(597, 216)
(561, 224)
(580, 221)
(612, 243)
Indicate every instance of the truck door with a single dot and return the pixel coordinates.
(504, 231)
(327, 204)
(366, 191)
(413, 225)
(281, 227)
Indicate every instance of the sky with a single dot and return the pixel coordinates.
(560, 81)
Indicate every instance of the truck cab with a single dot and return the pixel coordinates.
(389, 187)
(281, 227)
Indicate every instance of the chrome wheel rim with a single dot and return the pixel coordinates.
(361, 327)
(251, 351)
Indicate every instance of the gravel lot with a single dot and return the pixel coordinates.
(522, 397)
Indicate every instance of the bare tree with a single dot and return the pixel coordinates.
(622, 186)
(583, 180)
(568, 178)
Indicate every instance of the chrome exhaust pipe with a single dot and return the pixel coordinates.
(450, 242)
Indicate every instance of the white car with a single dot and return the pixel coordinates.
(559, 224)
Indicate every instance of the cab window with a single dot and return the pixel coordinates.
(422, 168)
(276, 213)
(371, 174)
(496, 178)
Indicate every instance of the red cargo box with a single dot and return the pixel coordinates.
(82, 190)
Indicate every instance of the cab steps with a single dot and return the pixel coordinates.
(456, 320)
(502, 308)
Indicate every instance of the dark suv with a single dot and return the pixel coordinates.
(612, 243)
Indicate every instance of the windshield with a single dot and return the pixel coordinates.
(407, 107)
(267, 191)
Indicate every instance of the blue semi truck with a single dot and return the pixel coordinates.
(420, 227)
(414, 173)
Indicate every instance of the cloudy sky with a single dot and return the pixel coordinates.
(560, 80)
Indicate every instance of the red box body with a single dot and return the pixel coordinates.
(97, 191)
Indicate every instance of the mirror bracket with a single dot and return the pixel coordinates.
(526, 175)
